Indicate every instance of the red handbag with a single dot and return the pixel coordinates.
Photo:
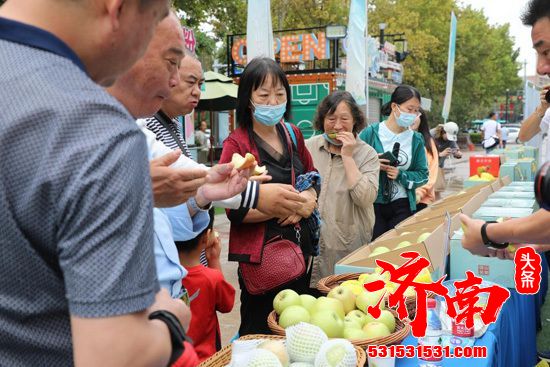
(282, 261)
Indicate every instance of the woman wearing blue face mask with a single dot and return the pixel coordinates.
(391, 138)
(262, 107)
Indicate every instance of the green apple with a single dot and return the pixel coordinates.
(308, 301)
(278, 348)
(402, 244)
(344, 295)
(376, 330)
(359, 316)
(351, 322)
(330, 322)
(367, 299)
(386, 318)
(379, 250)
(285, 298)
(423, 237)
(293, 315)
(325, 303)
(355, 334)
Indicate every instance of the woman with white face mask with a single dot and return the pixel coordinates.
(403, 164)
(262, 108)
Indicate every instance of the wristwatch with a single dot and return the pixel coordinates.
(193, 204)
(487, 242)
(177, 333)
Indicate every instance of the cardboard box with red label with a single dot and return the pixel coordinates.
(490, 164)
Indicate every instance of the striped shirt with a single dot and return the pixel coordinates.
(165, 129)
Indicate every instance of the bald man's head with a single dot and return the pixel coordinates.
(149, 82)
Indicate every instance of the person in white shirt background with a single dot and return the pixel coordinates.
(491, 133)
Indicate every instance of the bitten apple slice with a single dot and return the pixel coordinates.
(259, 170)
(241, 162)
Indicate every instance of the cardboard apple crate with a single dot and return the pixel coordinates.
(452, 206)
(502, 181)
(527, 169)
(465, 193)
(418, 229)
(511, 203)
(414, 222)
(493, 213)
(525, 195)
(525, 188)
(531, 152)
(464, 196)
(223, 357)
(491, 163)
(431, 249)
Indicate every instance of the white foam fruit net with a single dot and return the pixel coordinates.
(336, 353)
(303, 341)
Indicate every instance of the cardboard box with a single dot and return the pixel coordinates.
(512, 170)
(522, 183)
(528, 168)
(409, 224)
(531, 152)
(512, 195)
(491, 163)
(431, 249)
(523, 188)
(511, 203)
(491, 213)
(465, 194)
(501, 182)
(514, 154)
(488, 268)
(470, 182)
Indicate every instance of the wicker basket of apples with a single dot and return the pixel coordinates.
(283, 349)
(341, 314)
(355, 281)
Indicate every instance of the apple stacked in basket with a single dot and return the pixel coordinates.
(343, 313)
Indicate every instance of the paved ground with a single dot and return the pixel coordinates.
(456, 172)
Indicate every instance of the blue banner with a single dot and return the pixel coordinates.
(450, 69)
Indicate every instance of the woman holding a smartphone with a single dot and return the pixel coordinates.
(403, 164)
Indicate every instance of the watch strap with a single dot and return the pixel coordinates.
(486, 241)
(177, 333)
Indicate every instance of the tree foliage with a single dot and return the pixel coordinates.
(485, 65)
(485, 61)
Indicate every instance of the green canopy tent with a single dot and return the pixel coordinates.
(219, 94)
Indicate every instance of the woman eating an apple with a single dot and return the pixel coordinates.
(263, 104)
(349, 168)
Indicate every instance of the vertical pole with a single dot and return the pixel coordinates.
(367, 60)
(507, 93)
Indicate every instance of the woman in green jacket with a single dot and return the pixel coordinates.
(398, 179)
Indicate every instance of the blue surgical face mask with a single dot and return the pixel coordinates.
(405, 119)
(332, 141)
(269, 115)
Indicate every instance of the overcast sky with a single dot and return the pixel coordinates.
(500, 12)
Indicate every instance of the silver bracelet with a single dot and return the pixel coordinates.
(193, 204)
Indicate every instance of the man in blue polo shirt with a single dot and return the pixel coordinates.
(76, 245)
